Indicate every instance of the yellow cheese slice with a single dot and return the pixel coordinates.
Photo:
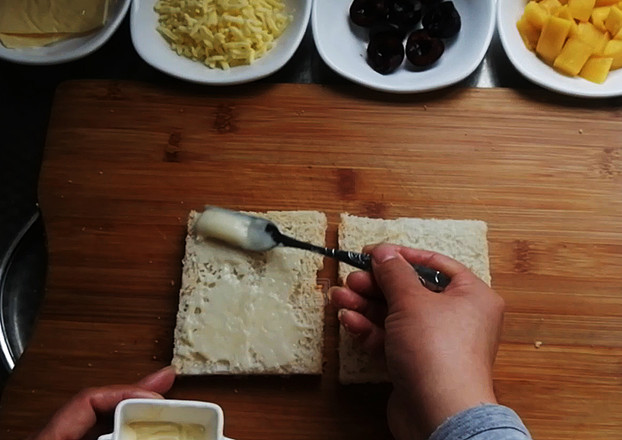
(22, 41)
(51, 16)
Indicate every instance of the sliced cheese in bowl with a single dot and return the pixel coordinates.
(52, 16)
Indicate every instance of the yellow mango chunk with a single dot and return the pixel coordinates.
(551, 6)
(596, 69)
(599, 15)
(613, 23)
(581, 9)
(564, 12)
(605, 2)
(613, 50)
(589, 34)
(552, 38)
(573, 56)
(618, 36)
(528, 33)
(536, 15)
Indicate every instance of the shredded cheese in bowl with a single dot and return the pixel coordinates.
(222, 33)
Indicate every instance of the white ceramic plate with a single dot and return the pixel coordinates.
(152, 47)
(73, 48)
(532, 68)
(343, 47)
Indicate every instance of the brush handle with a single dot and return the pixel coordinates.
(431, 278)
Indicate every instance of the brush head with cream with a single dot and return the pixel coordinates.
(235, 228)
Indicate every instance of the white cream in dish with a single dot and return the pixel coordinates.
(160, 430)
(237, 229)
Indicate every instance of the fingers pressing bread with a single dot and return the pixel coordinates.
(346, 298)
(364, 284)
(368, 335)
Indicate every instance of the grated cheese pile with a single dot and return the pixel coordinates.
(222, 33)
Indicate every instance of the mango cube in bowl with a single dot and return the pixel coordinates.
(564, 13)
(573, 56)
(613, 22)
(596, 69)
(581, 9)
(551, 6)
(528, 32)
(552, 38)
(590, 34)
(536, 15)
(599, 15)
(613, 49)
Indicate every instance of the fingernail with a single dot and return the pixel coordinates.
(168, 367)
(329, 295)
(156, 374)
(384, 253)
(340, 314)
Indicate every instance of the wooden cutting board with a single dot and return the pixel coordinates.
(125, 162)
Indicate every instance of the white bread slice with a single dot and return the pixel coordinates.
(242, 312)
(463, 240)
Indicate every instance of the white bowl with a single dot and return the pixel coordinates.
(152, 47)
(343, 47)
(72, 48)
(536, 70)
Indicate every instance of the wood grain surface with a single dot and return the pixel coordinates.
(125, 162)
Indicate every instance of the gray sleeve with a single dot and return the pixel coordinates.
(486, 422)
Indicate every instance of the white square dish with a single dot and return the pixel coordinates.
(155, 50)
(536, 70)
(343, 47)
(205, 414)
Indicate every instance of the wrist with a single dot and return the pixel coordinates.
(443, 395)
(415, 418)
(437, 414)
(449, 402)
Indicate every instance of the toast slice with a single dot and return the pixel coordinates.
(242, 312)
(463, 240)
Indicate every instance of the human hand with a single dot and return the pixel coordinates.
(74, 420)
(439, 348)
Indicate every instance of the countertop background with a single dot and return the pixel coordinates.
(26, 95)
